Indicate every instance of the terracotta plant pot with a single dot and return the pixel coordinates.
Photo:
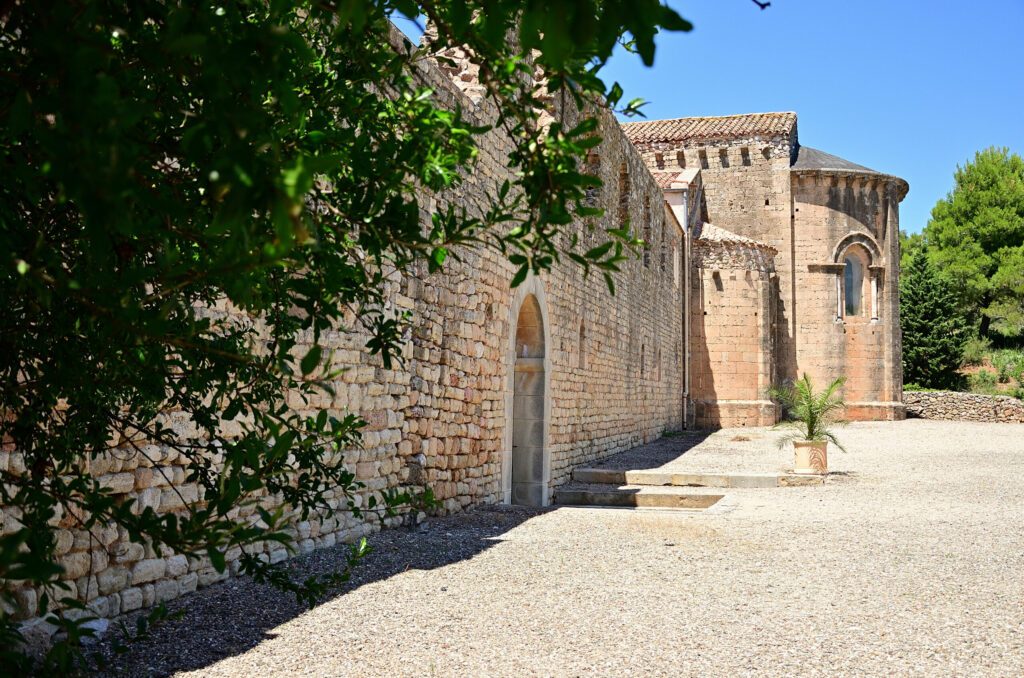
(810, 456)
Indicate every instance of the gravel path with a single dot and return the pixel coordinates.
(747, 450)
(911, 564)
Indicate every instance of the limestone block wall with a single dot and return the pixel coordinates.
(837, 217)
(612, 365)
(748, 191)
(951, 405)
(731, 334)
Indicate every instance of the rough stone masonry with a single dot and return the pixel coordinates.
(504, 391)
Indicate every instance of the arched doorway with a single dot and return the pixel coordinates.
(529, 480)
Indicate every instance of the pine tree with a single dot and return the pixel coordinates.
(934, 330)
(976, 239)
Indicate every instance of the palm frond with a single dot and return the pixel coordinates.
(812, 415)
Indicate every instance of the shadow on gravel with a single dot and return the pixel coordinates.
(655, 454)
(234, 616)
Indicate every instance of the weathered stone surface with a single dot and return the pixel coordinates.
(148, 570)
(113, 579)
(951, 405)
(75, 565)
(118, 483)
(131, 599)
(177, 566)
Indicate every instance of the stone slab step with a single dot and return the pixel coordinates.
(670, 478)
(634, 496)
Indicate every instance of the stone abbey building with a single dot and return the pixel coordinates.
(764, 259)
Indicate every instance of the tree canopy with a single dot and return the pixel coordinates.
(167, 162)
(976, 239)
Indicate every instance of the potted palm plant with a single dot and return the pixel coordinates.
(811, 417)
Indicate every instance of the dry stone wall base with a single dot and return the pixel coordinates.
(951, 405)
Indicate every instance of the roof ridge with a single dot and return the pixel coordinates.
(738, 126)
(707, 117)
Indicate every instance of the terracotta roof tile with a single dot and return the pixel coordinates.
(665, 179)
(723, 127)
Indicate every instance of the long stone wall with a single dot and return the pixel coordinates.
(612, 370)
(952, 405)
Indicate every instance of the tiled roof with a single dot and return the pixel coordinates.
(665, 179)
(812, 159)
(716, 128)
(711, 233)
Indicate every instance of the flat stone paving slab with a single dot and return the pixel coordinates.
(639, 496)
(910, 565)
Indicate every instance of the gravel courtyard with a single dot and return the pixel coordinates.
(910, 561)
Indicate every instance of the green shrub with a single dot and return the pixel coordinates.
(976, 350)
(985, 381)
(1009, 362)
(912, 387)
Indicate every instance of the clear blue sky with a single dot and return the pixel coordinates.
(907, 87)
(911, 88)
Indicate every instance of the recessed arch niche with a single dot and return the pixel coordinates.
(526, 468)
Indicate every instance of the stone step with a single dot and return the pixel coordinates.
(669, 478)
(634, 496)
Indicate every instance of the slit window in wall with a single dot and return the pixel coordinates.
(659, 160)
(643, 357)
(657, 364)
(663, 249)
(647, 232)
(723, 157)
(623, 196)
(745, 156)
(593, 168)
(583, 346)
(703, 156)
(853, 286)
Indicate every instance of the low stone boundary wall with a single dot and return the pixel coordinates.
(963, 406)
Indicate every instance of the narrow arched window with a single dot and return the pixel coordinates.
(853, 279)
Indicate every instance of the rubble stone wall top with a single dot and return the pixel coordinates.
(951, 405)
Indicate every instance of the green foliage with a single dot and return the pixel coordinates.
(1009, 363)
(909, 244)
(934, 332)
(976, 238)
(983, 381)
(190, 189)
(912, 387)
(812, 415)
(976, 350)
